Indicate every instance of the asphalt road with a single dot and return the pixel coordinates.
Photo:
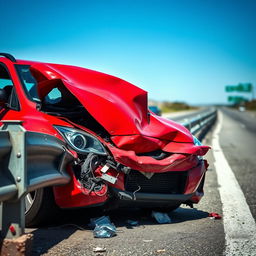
(191, 232)
(238, 141)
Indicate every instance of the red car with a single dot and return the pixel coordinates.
(96, 130)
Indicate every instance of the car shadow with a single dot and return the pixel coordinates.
(187, 214)
(45, 238)
(144, 216)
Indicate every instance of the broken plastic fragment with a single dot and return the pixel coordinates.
(132, 222)
(160, 250)
(99, 249)
(161, 218)
(109, 178)
(148, 241)
(214, 215)
(99, 221)
(104, 169)
(104, 231)
(103, 227)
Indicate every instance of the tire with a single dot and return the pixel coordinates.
(40, 207)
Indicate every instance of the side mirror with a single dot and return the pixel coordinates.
(3, 97)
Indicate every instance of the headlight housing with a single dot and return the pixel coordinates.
(81, 141)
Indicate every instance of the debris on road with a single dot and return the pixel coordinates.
(99, 221)
(161, 218)
(103, 227)
(99, 249)
(161, 250)
(147, 241)
(132, 223)
(214, 216)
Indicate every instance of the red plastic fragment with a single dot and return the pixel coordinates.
(215, 215)
(13, 230)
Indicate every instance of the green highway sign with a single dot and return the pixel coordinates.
(241, 87)
(230, 88)
(236, 99)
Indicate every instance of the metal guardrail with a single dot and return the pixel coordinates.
(12, 180)
(23, 169)
(197, 125)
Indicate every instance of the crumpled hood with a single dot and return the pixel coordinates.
(120, 107)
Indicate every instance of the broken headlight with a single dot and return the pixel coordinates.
(81, 141)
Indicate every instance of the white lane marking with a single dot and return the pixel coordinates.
(239, 224)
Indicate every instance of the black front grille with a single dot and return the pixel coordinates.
(162, 183)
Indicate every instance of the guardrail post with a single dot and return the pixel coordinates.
(188, 124)
(12, 211)
(200, 121)
(12, 219)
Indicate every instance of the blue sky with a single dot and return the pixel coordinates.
(185, 50)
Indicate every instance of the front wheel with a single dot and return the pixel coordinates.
(40, 207)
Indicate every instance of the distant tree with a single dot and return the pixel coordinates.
(174, 106)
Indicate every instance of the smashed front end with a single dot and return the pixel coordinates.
(123, 153)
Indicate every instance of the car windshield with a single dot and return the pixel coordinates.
(28, 81)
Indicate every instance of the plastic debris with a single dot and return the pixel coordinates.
(104, 231)
(99, 249)
(132, 223)
(99, 221)
(103, 227)
(214, 216)
(161, 250)
(161, 218)
(147, 241)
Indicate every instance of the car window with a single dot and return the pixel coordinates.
(7, 85)
(54, 96)
(28, 81)
(5, 79)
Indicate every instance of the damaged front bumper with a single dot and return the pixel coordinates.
(171, 189)
(134, 188)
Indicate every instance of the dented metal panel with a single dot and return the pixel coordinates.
(43, 157)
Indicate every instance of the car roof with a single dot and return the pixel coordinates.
(24, 62)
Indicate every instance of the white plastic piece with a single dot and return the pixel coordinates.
(104, 169)
(109, 178)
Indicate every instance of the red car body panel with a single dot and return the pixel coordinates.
(119, 101)
(121, 108)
